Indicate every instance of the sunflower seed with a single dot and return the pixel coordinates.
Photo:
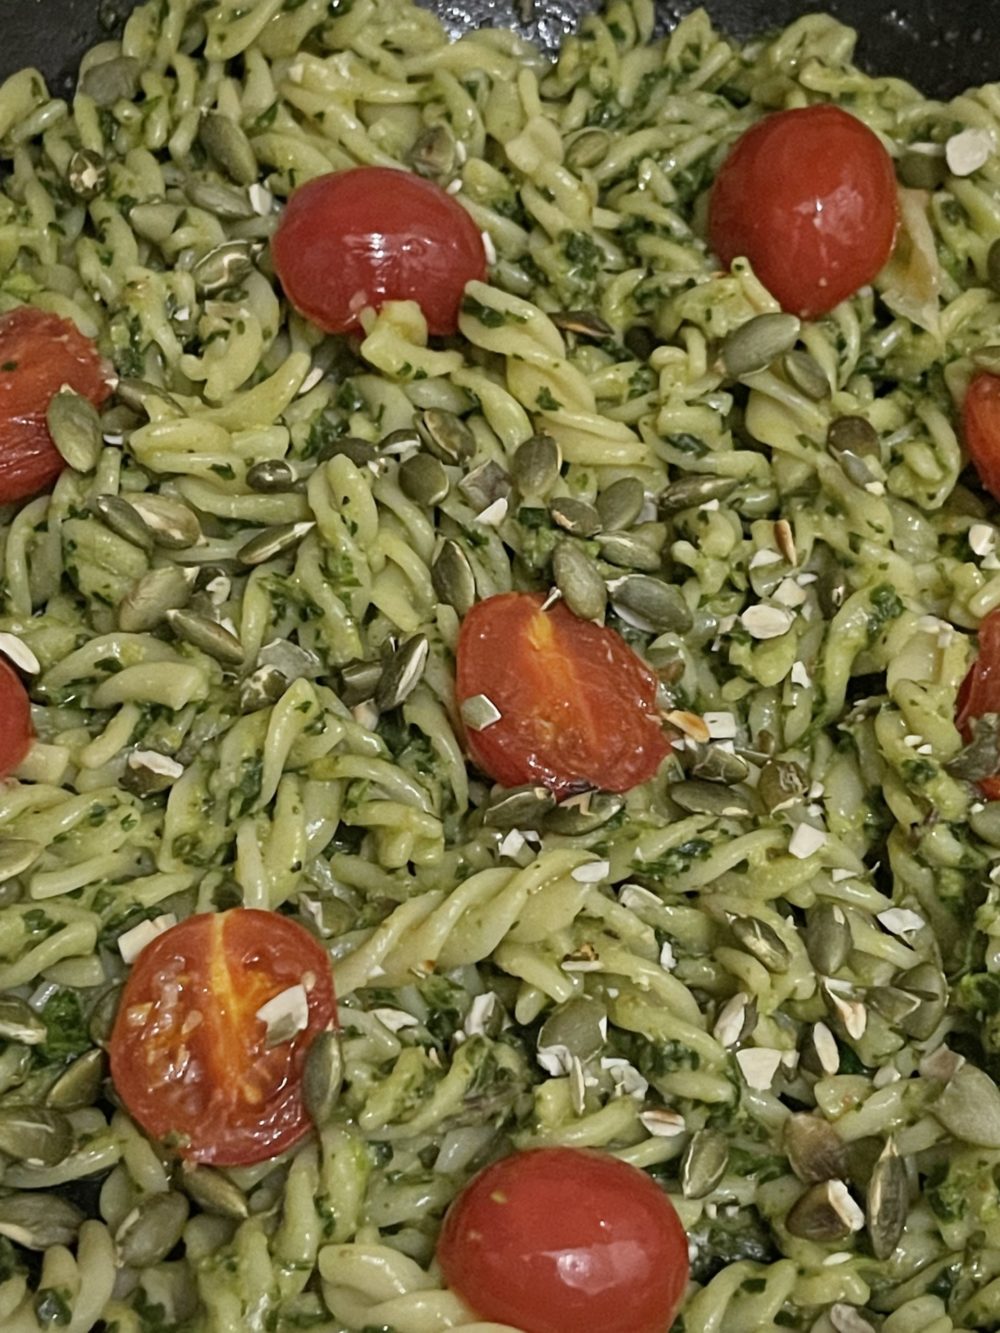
(621, 504)
(761, 940)
(825, 1212)
(815, 1150)
(223, 266)
(272, 543)
(423, 480)
(173, 524)
(79, 1084)
(39, 1220)
(152, 1229)
(584, 323)
(578, 579)
(576, 517)
(87, 173)
(827, 938)
(358, 681)
(806, 374)
(891, 1003)
(75, 427)
(19, 1022)
(118, 515)
(887, 1202)
(688, 492)
(224, 201)
(587, 148)
(206, 635)
(35, 1134)
(536, 465)
(262, 688)
(584, 814)
(969, 1107)
(704, 1163)
(928, 984)
(400, 442)
(629, 552)
(112, 81)
(758, 342)
(519, 807)
(446, 435)
(453, 579)
(225, 142)
(402, 673)
(712, 763)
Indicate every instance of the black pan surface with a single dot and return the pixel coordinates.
(942, 46)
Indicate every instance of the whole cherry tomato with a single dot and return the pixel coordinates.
(15, 720)
(372, 234)
(981, 428)
(189, 1056)
(809, 197)
(577, 706)
(39, 353)
(979, 692)
(564, 1240)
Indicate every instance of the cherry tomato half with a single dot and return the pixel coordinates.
(372, 234)
(188, 1053)
(809, 197)
(564, 1240)
(981, 428)
(577, 707)
(15, 720)
(39, 353)
(979, 692)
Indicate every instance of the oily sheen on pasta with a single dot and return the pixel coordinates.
(796, 918)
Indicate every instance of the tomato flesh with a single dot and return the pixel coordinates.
(361, 237)
(188, 1054)
(809, 197)
(577, 706)
(39, 353)
(16, 731)
(981, 428)
(564, 1240)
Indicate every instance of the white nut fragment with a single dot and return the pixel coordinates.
(18, 652)
(842, 1202)
(132, 942)
(721, 726)
(489, 248)
(766, 622)
(967, 151)
(732, 1016)
(591, 872)
(789, 593)
(480, 1012)
(626, 1078)
(154, 762)
(758, 1065)
(764, 557)
(393, 1019)
(494, 514)
(827, 1050)
(557, 1061)
(800, 676)
(982, 538)
(900, 921)
(806, 841)
(667, 960)
(512, 842)
(662, 1124)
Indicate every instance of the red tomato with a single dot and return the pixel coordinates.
(372, 234)
(15, 720)
(979, 692)
(188, 1053)
(39, 353)
(577, 707)
(563, 1240)
(981, 428)
(809, 197)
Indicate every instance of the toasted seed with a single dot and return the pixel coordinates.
(402, 672)
(262, 688)
(689, 491)
(35, 1134)
(272, 476)
(660, 606)
(19, 1022)
(579, 580)
(922, 171)
(154, 594)
(224, 141)
(584, 323)
(399, 442)
(39, 1220)
(155, 219)
(87, 173)
(576, 517)
(815, 1150)
(709, 798)
(79, 1084)
(762, 941)
(323, 1077)
(621, 504)
(628, 552)
(853, 435)
(223, 266)
(362, 453)
(75, 427)
(359, 681)
(213, 1192)
(584, 814)
(423, 480)
(587, 148)
(519, 807)
(827, 937)
(446, 435)
(714, 764)
(207, 635)
(781, 784)
(704, 1163)
(173, 524)
(272, 543)
(969, 1107)
(928, 984)
(122, 519)
(479, 712)
(434, 152)
(825, 1212)
(17, 855)
(485, 485)
(579, 1024)
(888, 1202)
(112, 81)
(536, 465)
(151, 1229)
(453, 579)
(806, 374)
(758, 342)
(891, 1003)
(224, 201)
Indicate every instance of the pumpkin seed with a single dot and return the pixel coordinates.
(824, 1213)
(112, 81)
(223, 266)
(79, 1084)
(536, 466)
(584, 814)
(17, 855)
(35, 1134)
(223, 201)
(154, 594)
(262, 688)
(579, 1025)
(226, 143)
(981, 757)
(75, 427)
(831, 581)
(173, 524)
(206, 635)
(576, 517)
(272, 543)
(137, 394)
(151, 1229)
(485, 485)
(761, 940)
(781, 783)
(687, 492)
(272, 476)
(362, 453)
(584, 323)
(402, 673)
(19, 1022)
(993, 265)
(423, 480)
(519, 807)
(815, 1150)
(358, 681)
(578, 579)
(434, 152)
(922, 170)
(292, 660)
(323, 1077)
(759, 342)
(453, 579)
(587, 148)
(888, 1202)
(399, 442)
(827, 937)
(659, 606)
(929, 985)
(213, 1192)
(891, 1003)
(622, 503)
(446, 435)
(628, 552)
(853, 435)
(38, 1221)
(704, 1163)
(806, 373)
(102, 1016)
(87, 173)
(155, 220)
(121, 518)
(969, 1107)
(714, 764)
(708, 798)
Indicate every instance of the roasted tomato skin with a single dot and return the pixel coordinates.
(39, 353)
(577, 706)
(981, 428)
(367, 235)
(809, 197)
(188, 1054)
(566, 1240)
(16, 731)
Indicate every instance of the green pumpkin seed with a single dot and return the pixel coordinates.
(714, 764)
(536, 466)
(519, 807)
(223, 266)
(969, 1107)
(576, 517)
(262, 688)
(888, 1202)
(17, 855)
(19, 1022)
(891, 1003)
(423, 480)
(112, 81)
(139, 394)
(622, 503)
(580, 1025)
(173, 524)
(155, 220)
(434, 152)
(75, 427)
(759, 342)
(213, 1192)
(223, 201)
(659, 606)
(762, 941)
(399, 442)
(35, 1134)
(993, 265)
(154, 594)
(853, 435)
(323, 1078)
(824, 1213)
(358, 682)
(687, 492)
(79, 1084)
(584, 323)
(225, 142)
(272, 543)
(584, 814)
(587, 148)
(122, 519)
(928, 984)
(828, 938)
(402, 673)
(704, 1163)
(579, 581)
(629, 552)
(815, 1150)
(362, 453)
(485, 485)
(206, 635)
(87, 173)
(806, 373)
(781, 784)
(446, 435)
(152, 1229)
(922, 170)
(39, 1220)
(273, 476)
(453, 579)
(709, 798)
